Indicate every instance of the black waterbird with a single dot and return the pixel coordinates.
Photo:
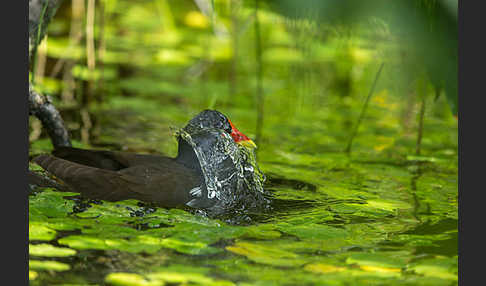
(215, 168)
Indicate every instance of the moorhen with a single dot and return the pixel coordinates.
(215, 168)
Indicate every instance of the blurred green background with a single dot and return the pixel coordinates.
(298, 59)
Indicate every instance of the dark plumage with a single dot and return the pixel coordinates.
(168, 182)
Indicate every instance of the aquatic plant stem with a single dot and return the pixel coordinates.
(37, 40)
(90, 49)
(101, 47)
(40, 60)
(75, 36)
(259, 70)
(234, 8)
(90, 46)
(420, 127)
(363, 110)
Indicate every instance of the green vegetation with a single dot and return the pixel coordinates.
(383, 214)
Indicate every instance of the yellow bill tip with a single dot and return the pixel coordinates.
(247, 143)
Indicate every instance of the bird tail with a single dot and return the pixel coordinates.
(41, 180)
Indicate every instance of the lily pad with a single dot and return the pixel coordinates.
(48, 265)
(314, 231)
(164, 277)
(323, 268)
(194, 248)
(130, 279)
(388, 205)
(387, 264)
(40, 232)
(51, 204)
(33, 275)
(263, 231)
(266, 254)
(49, 250)
(438, 267)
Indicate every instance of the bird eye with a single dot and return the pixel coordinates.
(227, 127)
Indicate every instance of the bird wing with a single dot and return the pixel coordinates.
(91, 182)
(108, 160)
(167, 186)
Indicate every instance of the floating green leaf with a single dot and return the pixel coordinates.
(33, 275)
(439, 267)
(48, 265)
(266, 254)
(384, 260)
(48, 250)
(314, 231)
(130, 279)
(40, 232)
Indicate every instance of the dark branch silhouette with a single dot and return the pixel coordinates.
(40, 14)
